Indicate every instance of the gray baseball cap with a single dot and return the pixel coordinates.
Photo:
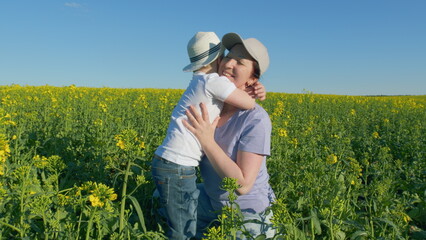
(253, 46)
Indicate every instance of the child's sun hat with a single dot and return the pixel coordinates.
(203, 48)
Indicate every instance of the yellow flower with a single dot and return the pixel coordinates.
(40, 162)
(113, 197)
(406, 217)
(295, 142)
(9, 122)
(103, 107)
(376, 135)
(142, 145)
(335, 136)
(282, 132)
(98, 122)
(353, 112)
(332, 159)
(96, 202)
(121, 144)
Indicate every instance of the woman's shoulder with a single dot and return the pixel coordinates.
(256, 119)
(258, 112)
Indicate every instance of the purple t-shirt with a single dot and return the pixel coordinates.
(248, 131)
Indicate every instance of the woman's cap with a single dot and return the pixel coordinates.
(203, 48)
(253, 46)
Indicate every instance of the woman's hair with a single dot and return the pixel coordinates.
(256, 69)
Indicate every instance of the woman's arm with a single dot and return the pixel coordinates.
(248, 164)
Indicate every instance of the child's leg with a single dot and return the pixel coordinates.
(206, 214)
(178, 191)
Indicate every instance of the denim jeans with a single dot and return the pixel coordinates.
(261, 223)
(176, 185)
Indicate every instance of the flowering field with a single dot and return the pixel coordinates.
(75, 164)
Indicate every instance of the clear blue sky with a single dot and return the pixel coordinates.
(347, 47)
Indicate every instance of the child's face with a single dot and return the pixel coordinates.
(237, 66)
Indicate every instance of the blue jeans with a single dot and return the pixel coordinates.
(176, 185)
(206, 215)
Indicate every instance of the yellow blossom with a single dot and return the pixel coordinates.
(376, 135)
(113, 197)
(282, 132)
(295, 142)
(96, 202)
(406, 217)
(331, 159)
(121, 144)
(335, 136)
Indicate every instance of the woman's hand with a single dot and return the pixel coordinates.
(247, 165)
(200, 125)
(257, 91)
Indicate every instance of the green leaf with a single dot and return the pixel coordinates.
(358, 234)
(316, 222)
(261, 237)
(139, 211)
(340, 235)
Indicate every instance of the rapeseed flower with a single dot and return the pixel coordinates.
(96, 202)
(331, 159)
(99, 195)
(376, 135)
(120, 144)
(282, 132)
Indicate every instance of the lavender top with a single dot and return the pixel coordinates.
(248, 131)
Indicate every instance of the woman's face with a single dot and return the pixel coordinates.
(238, 67)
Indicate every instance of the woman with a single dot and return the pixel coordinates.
(237, 143)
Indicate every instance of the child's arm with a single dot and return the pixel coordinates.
(257, 91)
(240, 99)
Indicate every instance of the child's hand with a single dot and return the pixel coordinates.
(257, 91)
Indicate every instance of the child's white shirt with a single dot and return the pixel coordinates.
(180, 146)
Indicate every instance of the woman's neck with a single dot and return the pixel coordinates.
(226, 113)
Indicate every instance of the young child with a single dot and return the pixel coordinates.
(174, 163)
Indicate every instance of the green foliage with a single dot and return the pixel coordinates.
(75, 163)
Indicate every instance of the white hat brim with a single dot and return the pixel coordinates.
(203, 62)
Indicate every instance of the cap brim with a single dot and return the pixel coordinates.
(253, 46)
(229, 40)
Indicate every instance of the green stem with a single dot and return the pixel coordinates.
(90, 224)
(124, 196)
(331, 222)
(46, 236)
(79, 221)
(21, 217)
(11, 226)
(22, 205)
